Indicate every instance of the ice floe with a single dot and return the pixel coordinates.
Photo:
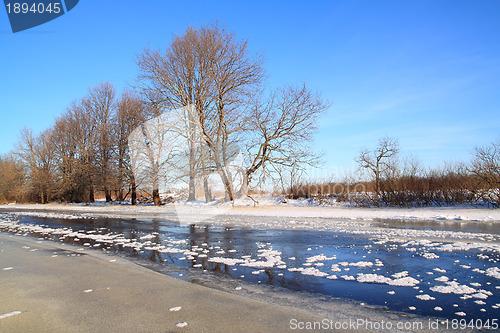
(453, 287)
(425, 297)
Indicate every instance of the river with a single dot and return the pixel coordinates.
(446, 270)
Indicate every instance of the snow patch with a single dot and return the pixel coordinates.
(175, 309)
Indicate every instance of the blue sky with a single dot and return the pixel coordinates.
(424, 72)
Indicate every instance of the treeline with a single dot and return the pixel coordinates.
(392, 181)
(84, 153)
(199, 109)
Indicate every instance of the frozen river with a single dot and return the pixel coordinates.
(448, 269)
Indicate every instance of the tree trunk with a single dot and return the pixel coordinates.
(192, 188)
(119, 195)
(227, 186)
(91, 194)
(107, 192)
(156, 197)
(208, 193)
(192, 154)
(244, 186)
(134, 193)
(223, 176)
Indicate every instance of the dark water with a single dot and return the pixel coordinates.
(294, 247)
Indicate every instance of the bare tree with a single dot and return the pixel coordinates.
(486, 168)
(172, 80)
(71, 181)
(100, 104)
(288, 178)
(156, 152)
(380, 159)
(130, 114)
(12, 179)
(37, 153)
(83, 129)
(236, 76)
(211, 70)
(281, 129)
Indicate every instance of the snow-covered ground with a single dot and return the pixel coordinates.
(270, 207)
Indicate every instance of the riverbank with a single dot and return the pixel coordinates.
(447, 214)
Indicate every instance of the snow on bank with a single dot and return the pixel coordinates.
(51, 215)
(270, 207)
(10, 314)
